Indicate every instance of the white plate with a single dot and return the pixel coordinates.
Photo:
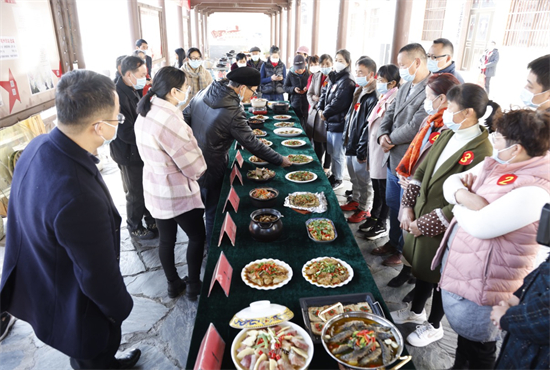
(280, 124)
(302, 143)
(301, 331)
(269, 143)
(301, 164)
(258, 163)
(295, 131)
(280, 263)
(287, 176)
(281, 117)
(350, 271)
(262, 135)
(260, 117)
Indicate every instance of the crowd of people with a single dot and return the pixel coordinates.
(457, 182)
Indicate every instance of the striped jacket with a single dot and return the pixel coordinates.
(173, 161)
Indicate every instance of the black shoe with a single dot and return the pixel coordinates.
(378, 231)
(402, 278)
(128, 361)
(193, 290)
(337, 184)
(368, 224)
(331, 179)
(153, 228)
(142, 233)
(176, 287)
(409, 297)
(6, 322)
(348, 193)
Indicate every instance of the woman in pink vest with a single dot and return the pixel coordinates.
(490, 245)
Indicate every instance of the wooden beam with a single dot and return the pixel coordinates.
(205, 29)
(271, 33)
(403, 10)
(280, 29)
(197, 33)
(12, 119)
(276, 29)
(189, 31)
(133, 18)
(289, 33)
(297, 22)
(315, 27)
(195, 3)
(342, 25)
(180, 26)
(164, 34)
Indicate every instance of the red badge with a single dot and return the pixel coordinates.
(433, 137)
(325, 83)
(357, 105)
(506, 179)
(467, 158)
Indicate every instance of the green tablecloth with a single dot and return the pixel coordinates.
(294, 247)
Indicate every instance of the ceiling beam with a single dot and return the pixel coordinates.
(266, 2)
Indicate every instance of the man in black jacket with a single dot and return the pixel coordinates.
(61, 266)
(255, 58)
(217, 119)
(440, 58)
(124, 149)
(142, 45)
(295, 86)
(356, 139)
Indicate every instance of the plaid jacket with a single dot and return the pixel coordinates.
(526, 345)
(173, 161)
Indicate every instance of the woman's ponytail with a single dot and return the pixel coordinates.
(144, 104)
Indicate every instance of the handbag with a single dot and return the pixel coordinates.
(319, 129)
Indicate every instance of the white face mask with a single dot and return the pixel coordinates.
(255, 58)
(314, 69)
(241, 65)
(109, 141)
(428, 106)
(406, 75)
(382, 87)
(339, 66)
(527, 98)
(182, 102)
(195, 63)
(433, 65)
(496, 151)
(274, 60)
(448, 120)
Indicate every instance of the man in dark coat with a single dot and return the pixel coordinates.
(61, 265)
(142, 45)
(488, 62)
(125, 152)
(217, 119)
(440, 58)
(255, 60)
(295, 86)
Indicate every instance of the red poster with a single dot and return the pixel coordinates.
(229, 228)
(211, 351)
(235, 172)
(222, 274)
(233, 198)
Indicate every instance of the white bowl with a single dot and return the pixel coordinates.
(258, 103)
(350, 271)
(302, 332)
(293, 131)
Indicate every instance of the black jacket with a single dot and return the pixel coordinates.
(272, 87)
(356, 130)
(124, 149)
(452, 70)
(336, 99)
(298, 101)
(61, 265)
(217, 118)
(257, 65)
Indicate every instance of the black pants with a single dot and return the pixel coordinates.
(487, 84)
(320, 150)
(210, 196)
(475, 355)
(379, 207)
(423, 291)
(193, 224)
(132, 181)
(106, 359)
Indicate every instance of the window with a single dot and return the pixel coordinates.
(434, 17)
(528, 24)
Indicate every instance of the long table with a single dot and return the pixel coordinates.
(294, 247)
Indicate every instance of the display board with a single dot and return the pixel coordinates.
(29, 58)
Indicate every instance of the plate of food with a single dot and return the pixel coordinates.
(266, 274)
(312, 202)
(255, 123)
(321, 230)
(327, 272)
(293, 143)
(265, 141)
(263, 197)
(288, 132)
(282, 117)
(259, 133)
(260, 174)
(284, 124)
(300, 159)
(258, 161)
(301, 177)
(260, 117)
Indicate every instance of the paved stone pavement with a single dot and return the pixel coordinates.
(162, 327)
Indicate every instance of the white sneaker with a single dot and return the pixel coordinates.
(425, 334)
(405, 315)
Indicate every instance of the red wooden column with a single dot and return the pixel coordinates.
(342, 25)
(280, 28)
(403, 10)
(297, 23)
(289, 33)
(315, 27)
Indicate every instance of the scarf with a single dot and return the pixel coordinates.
(197, 80)
(405, 167)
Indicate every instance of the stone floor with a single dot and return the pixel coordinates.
(162, 327)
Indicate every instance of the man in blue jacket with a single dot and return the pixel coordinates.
(61, 265)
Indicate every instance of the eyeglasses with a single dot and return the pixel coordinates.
(119, 118)
(434, 57)
(254, 93)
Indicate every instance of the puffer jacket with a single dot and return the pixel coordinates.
(298, 101)
(336, 99)
(487, 271)
(356, 130)
(217, 118)
(267, 85)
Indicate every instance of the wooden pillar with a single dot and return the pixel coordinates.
(315, 27)
(280, 29)
(71, 18)
(271, 33)
(197, 29)
(180, 27)
(276, 29)
(289, 33)
(133, 18)
(297, 24)
(205, 27)
(403, 10)
(342, 25)
(189, 31)
(164, 34)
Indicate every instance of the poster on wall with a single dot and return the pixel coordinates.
(40, 75)
(8, 48)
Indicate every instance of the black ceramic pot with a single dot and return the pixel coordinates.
(265, 231)
(280, 108)
(264, 203)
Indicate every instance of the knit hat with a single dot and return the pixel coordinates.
(255, 48)
(303, 49)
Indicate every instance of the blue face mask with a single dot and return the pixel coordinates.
(382, 87)
(448, 120)
(527, 97)
(405, 74)
(326, 70)
(361, 81)
(195, 63)
(433, 65)
(140, 82)
(105, 141)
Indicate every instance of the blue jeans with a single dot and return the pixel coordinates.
(394, 193)
(335, 147)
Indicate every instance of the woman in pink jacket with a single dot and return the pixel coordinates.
(173, 164)
(490, 245)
